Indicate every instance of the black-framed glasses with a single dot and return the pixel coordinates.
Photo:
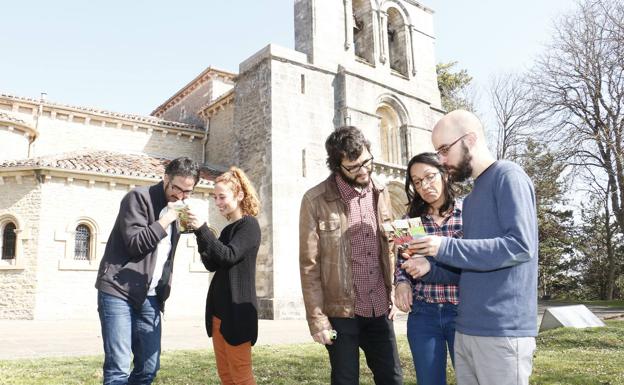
(178, 190)
(355, 168)
(445, 148)
(428, 179)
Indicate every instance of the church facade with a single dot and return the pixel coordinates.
(63, 170)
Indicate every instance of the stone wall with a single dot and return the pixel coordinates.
(14, 143)
(364, 95)
(70, 291)
(222, 146)
(329, 44)
(20, 201)
(303, 115)
(49, 283)
(59, 136)
(187, 109)
(64, 129)
(66, 287)
(252, 127)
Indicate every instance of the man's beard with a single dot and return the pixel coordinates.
(353, 181)
(463, 170)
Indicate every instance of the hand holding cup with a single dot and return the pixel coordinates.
(182, 209)
(195, 218)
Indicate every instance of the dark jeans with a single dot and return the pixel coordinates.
(375, 336)
(430, 330)
(127, 332)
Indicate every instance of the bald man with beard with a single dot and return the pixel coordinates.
(497, 316)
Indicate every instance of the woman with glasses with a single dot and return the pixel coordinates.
(432, 307)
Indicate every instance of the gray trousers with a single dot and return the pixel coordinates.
(493, 360)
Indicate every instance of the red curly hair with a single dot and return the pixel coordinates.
(237, 181)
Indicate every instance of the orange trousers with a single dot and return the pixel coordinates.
(233, 362)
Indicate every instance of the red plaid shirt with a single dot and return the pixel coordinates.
(371, 297)
(432, 292)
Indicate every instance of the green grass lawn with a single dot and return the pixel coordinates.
(618, 303)
(564, 356)
(615, 303)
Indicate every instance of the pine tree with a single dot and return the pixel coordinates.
(555, 223)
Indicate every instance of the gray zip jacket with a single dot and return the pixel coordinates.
(130, 256)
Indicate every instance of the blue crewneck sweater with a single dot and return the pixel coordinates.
(498, 255)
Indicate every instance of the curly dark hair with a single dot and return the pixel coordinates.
(183, 166)
(416, 206)
(345, 142)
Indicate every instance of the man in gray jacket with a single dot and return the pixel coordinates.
(134, 278)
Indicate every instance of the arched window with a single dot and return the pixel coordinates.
(393, 136)
(363, 39)
(9, 240)
(82, 243)
(397, 41)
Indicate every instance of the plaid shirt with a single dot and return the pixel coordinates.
(371, 297)
(431, 292)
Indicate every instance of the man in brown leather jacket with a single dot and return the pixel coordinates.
(346, 263)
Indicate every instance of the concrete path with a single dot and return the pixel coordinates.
(33, 339)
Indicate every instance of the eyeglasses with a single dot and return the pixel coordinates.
(354, 169)
(178, 190)
(445, 148)
(428, 179)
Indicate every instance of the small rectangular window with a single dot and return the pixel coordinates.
(302, 83)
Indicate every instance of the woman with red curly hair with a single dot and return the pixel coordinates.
(231, 305)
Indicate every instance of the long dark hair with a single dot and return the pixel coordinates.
(416, 206)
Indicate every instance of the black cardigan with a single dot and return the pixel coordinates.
(233, 259)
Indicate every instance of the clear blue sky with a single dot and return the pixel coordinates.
(130, 56)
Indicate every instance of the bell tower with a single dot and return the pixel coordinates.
(388, 35)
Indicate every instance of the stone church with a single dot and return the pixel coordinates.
(64, 169)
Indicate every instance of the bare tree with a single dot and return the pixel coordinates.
(599, 191)
(515, 111)
(579, 83)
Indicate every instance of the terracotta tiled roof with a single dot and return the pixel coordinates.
(133, 117)
(106, 162)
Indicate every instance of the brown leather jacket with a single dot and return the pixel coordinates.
(325, 253)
